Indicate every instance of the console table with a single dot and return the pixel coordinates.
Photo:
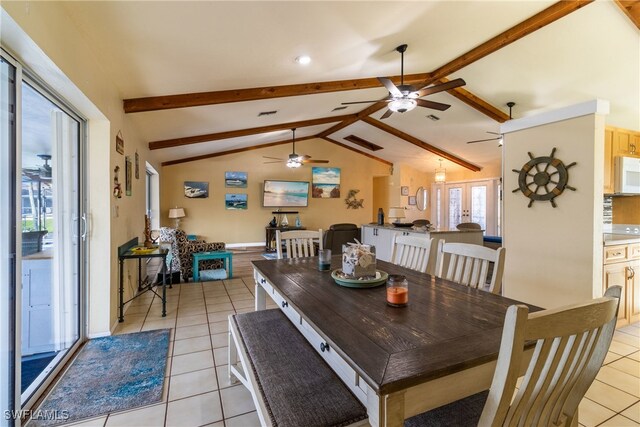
(124, 253)
(270, 240)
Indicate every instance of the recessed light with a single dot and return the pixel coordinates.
(303, 59)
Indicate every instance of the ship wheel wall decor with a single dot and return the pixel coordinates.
(541, 173)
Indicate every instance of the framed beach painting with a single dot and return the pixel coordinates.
(235, 179)
(196, 189)
(235, 201)
(277, 194)
(325, 183)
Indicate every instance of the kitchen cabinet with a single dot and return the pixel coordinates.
(621, 268)
(617, 142)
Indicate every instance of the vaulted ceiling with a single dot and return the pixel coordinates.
(194, 76)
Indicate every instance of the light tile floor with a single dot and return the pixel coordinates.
(198, 393)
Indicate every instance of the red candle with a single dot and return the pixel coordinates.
(397, 295)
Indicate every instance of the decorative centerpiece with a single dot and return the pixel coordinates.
(358, 261)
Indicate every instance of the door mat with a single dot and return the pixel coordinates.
(109, 374)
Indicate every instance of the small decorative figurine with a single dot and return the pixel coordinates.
(117, 188)
(273, 222)
(148, 243)
(298, 222)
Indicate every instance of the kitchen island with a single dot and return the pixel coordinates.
(381, 236)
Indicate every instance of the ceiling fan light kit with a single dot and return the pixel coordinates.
(403, 98)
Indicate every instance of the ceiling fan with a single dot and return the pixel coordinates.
(294, 160)
(42, 172)
(405, 98)
(500, 136)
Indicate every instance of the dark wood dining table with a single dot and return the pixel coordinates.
(398, 361)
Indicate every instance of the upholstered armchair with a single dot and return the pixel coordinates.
(182, 251)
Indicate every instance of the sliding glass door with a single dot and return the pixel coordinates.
(50, 230)
(42, 223)
(7, 238)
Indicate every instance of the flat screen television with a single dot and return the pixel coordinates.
(281, 194)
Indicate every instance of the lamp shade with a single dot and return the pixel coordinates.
(176, 213)
(396, 213)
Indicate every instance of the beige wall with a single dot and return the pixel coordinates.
(554, 255)
(46, 40)
(414, 179)
(209, 219)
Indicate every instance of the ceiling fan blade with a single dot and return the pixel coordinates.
(432, 104)
(277, 161)
(493, 133)
(315, 161)
(272, 158)
(388, 98)
(482, 140)
(393, 90)
(386, 114)
(441, 87)
(303, 157)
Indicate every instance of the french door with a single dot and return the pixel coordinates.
(469, 201)
(48, 234)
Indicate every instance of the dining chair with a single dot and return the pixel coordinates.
(416, 253)
(571, 343)
(298, 243)
(468, 264)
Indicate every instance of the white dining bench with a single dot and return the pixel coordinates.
(291, 385)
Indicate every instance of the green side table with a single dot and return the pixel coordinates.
(203, 256)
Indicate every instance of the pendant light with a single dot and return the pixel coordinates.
(441, 173)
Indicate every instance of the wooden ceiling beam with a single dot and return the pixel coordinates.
(167, 102)
(234, 151)
(526, 27)
(476, 103)
(418, 143)
(187, 140)
(371, 156)
(631, 8)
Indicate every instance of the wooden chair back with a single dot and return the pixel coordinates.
(571, 344)
(298, 243)
(468, 265)
(416, 253)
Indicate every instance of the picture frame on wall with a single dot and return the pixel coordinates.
(325, 183)
(119, 143)
(412, 200)
(235, 201)
(404, 191)
(196, 189)
(127, 175)
(137, 166)
(235, 179)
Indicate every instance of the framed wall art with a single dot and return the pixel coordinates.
(235, 201)
(235, 179)
(119, 143)
(137, 166)
(127, 175)
(412, 200)
(196, 189)
(404, 191)
(325, 183)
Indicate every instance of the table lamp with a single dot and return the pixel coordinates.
(176, 213)
(397, 213)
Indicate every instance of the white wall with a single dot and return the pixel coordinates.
(554, 255)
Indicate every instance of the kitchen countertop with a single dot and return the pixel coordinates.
(619, 239)
(419, 230)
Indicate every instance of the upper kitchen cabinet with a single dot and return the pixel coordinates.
(617, 142)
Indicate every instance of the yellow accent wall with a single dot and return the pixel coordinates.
(209, 220)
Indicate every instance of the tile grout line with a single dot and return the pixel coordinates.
(213, 355)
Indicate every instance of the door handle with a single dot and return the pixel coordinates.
(83, 234)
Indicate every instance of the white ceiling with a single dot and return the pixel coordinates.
(154, 48)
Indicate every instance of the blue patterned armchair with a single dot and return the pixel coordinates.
(182, 251)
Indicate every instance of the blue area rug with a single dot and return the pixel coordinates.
(270, 255)
(110, 374)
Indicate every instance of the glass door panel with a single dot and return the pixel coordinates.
(50, 239)
(479, 205)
